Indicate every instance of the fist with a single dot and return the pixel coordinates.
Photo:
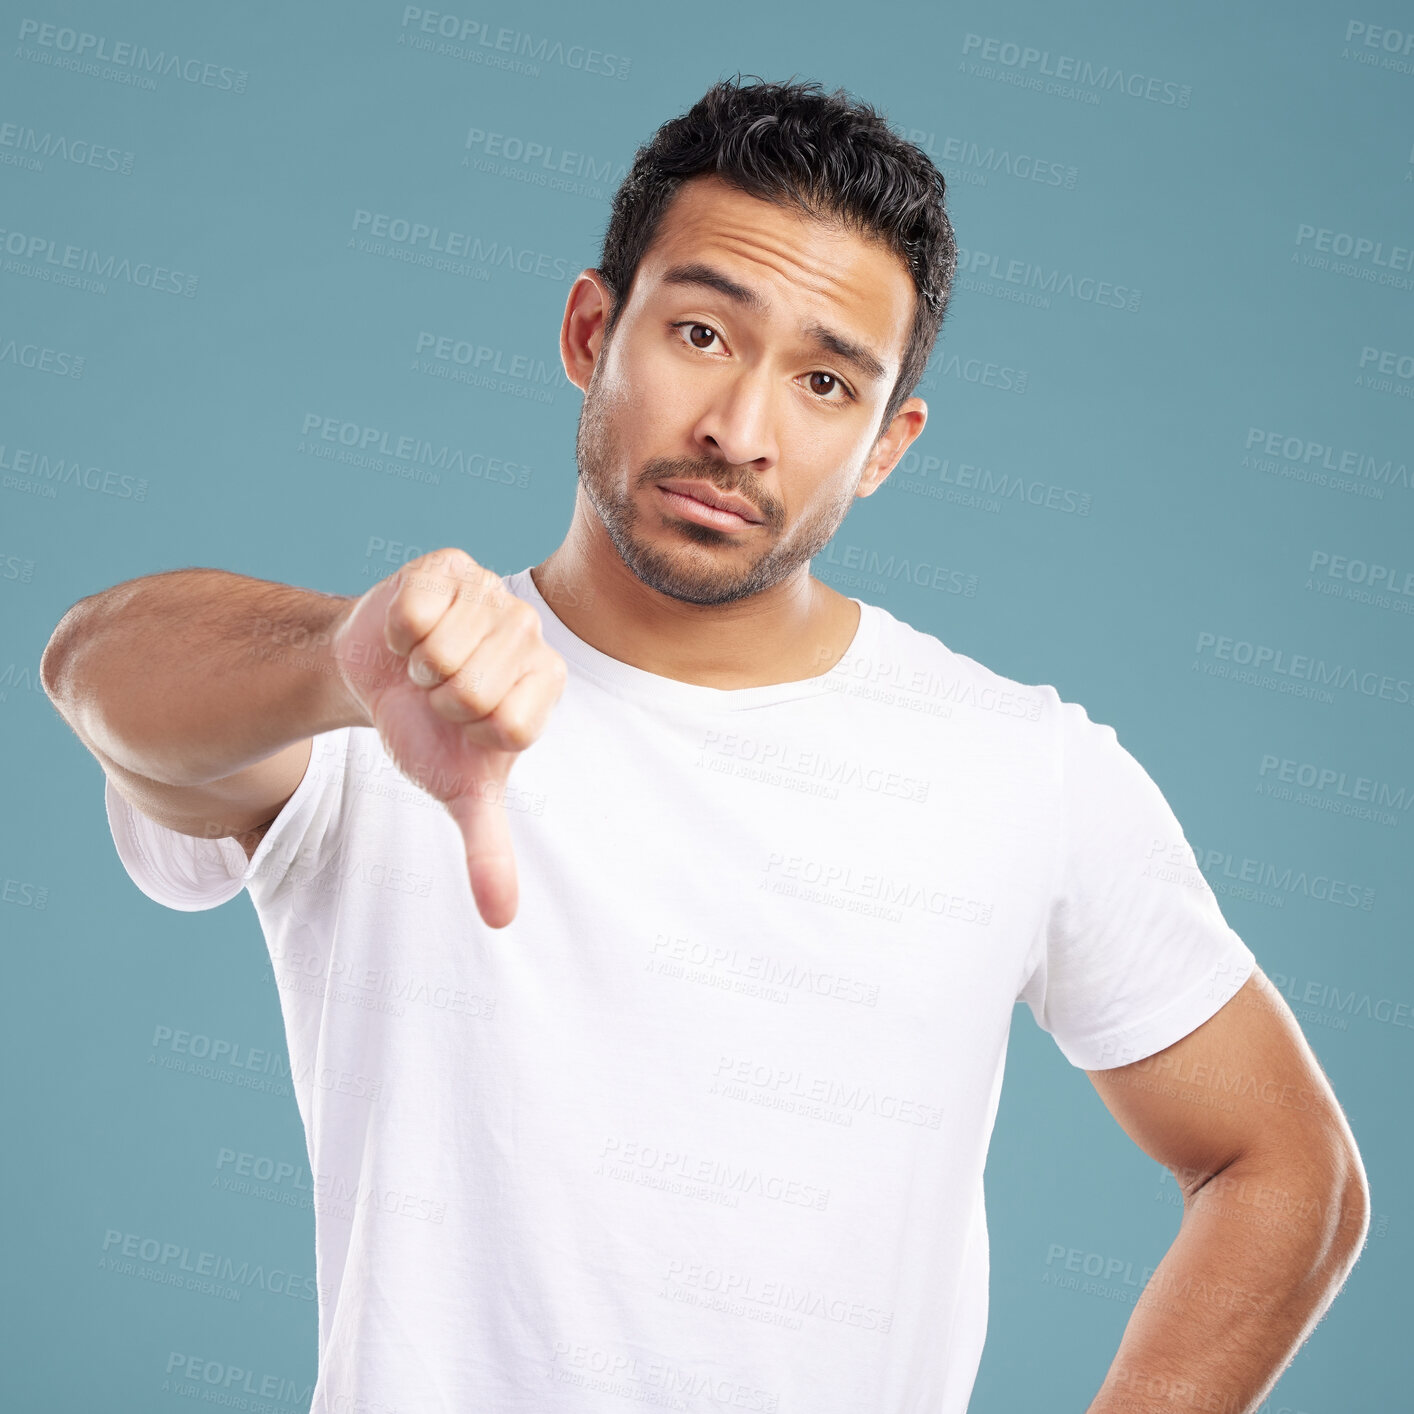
(457, 679)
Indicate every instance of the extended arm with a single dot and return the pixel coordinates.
(1276, 1208)
(199, 692)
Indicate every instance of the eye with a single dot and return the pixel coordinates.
(693, 326)
(847, 397)
(835, 383)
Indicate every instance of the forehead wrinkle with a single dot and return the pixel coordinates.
(788, 241)
(702, 272)
(783, 260)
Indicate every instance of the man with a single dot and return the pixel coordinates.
(648, 923)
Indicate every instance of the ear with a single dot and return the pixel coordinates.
(907, 423)
(582, 330)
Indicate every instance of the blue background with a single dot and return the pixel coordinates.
(153, 423)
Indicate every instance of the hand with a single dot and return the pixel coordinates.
(457, 678)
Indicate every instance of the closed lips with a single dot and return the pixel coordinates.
(710, 496)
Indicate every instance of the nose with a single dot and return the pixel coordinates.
(739, 421)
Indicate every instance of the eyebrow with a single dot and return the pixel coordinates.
(863, 359)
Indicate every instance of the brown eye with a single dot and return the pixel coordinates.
(692, 331)
(834, 382)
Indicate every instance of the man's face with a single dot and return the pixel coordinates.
(764, 402)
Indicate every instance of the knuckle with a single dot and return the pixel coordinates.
(459, 704)
(451, 560)
(516, 729)
(409, 618)
(428, 664)
(467, 687)
(416, 589)
(477, 585)
(474, 704)
(450, 709)
(441, 572)
(522, 617)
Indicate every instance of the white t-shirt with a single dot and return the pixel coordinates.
(705, 1125)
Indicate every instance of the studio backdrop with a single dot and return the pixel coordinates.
(280, 293)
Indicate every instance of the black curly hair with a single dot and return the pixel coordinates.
(792, 144)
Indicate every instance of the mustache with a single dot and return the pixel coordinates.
(661, 468)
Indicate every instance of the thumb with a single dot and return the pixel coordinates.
(490, 861)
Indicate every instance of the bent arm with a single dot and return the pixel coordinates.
(1276, 1208)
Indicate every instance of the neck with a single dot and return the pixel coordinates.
(799, 628)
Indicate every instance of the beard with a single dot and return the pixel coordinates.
(696, 564)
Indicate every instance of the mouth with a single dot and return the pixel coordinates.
(701, 502)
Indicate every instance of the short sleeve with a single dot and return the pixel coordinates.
(191, 873)
(1135, 952)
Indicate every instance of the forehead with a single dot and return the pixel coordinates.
(804, 268)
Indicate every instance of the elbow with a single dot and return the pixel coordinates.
(1342, 1200)
(58, 652)
(52, 662)
(1316, 1176)
(1352, 1204)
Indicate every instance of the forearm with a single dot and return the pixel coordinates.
(1259, 1256)
(190, 675)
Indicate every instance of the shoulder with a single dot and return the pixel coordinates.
(918, 664)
